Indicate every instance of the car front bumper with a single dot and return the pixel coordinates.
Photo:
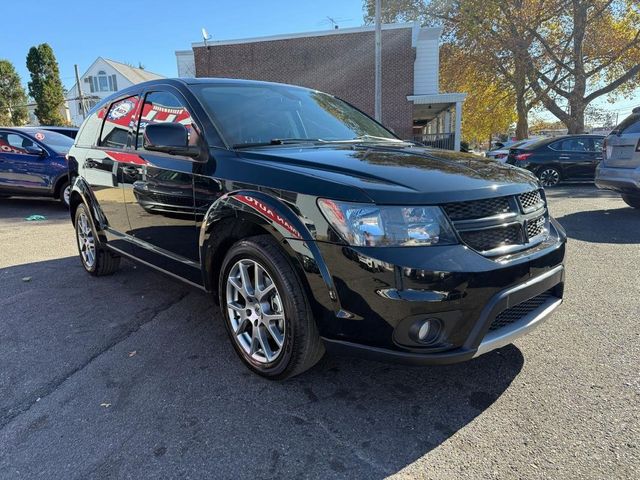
(381, 292)
(623, 180)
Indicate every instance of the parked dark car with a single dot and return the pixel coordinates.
(33, 163)
(70, 132)
(313, 225)
(620, 169)
(569, 157)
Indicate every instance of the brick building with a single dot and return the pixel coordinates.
(341, 62)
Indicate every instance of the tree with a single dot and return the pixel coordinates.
(13, 99)
(489, 106)
(589, 49)
(487, 33)
(561, 53)
(45, 86)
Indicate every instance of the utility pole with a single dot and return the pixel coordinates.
(378, 65)
(80, 97)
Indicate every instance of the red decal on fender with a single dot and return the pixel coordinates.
(268, 212)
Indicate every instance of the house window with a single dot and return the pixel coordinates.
(103, 81)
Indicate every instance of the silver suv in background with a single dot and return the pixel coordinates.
(620, 167)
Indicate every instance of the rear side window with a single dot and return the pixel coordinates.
(571, 145)
(14, 143)
(88, 134)
(597, 145)
(118, 123)
(631, 124)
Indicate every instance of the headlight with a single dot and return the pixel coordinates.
(369, 225)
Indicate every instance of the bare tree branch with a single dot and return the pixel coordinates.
(613, 85)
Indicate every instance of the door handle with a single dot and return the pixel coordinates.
(90, 163)
(130, 170)
(563, 157)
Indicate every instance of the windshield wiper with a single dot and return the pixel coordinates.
(369, 139)
(293, 141)
(383, 139)
(279, 141)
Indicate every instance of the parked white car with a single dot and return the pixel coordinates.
(620, 167)
(501, 153)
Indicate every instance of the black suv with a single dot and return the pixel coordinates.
(570, 157)
(314, 225)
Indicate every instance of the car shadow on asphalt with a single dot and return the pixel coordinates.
(620, 225)
(147, 385)
(15, 208)
(579, 190)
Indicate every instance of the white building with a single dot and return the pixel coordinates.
(101, 79)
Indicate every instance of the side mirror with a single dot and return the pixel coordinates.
(36, 150)
(171, 138)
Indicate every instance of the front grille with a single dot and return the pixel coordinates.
(477, 209)
(515, 313)
(500, 225)
(535, 227)
(531, 201)
(493, 237)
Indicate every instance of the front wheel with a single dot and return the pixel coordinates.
(632, 200)
(549, 176)
(95, 259)
(265, 310)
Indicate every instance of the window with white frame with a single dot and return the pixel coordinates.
(103, 81)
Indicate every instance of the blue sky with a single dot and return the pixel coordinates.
(150, 31)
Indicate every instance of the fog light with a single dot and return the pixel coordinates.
(425, 330)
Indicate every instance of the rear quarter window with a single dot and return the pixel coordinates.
(88, 134)
(631, 124)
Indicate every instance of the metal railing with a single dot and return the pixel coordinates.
(445, 141)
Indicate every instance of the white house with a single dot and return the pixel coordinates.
(101, 79)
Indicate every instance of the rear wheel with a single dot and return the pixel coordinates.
(95, 259)
(65, 194)
(549, 176)
(631, 200)
(265, 310)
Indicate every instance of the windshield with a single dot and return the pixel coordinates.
(56, 141)
(274, 114)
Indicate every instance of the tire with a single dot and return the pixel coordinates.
(64, 194)
(95, 259)
(281, 297)
(632, 200)
(549, 176)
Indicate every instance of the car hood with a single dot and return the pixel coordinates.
(396, 175)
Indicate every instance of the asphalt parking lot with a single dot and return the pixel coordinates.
(132, 376)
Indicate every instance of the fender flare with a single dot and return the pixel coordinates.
(278, 219)
(81, 193)
(58, 182)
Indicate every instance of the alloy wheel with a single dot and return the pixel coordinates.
(86, 241)
(549, 177)
(255, 311)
